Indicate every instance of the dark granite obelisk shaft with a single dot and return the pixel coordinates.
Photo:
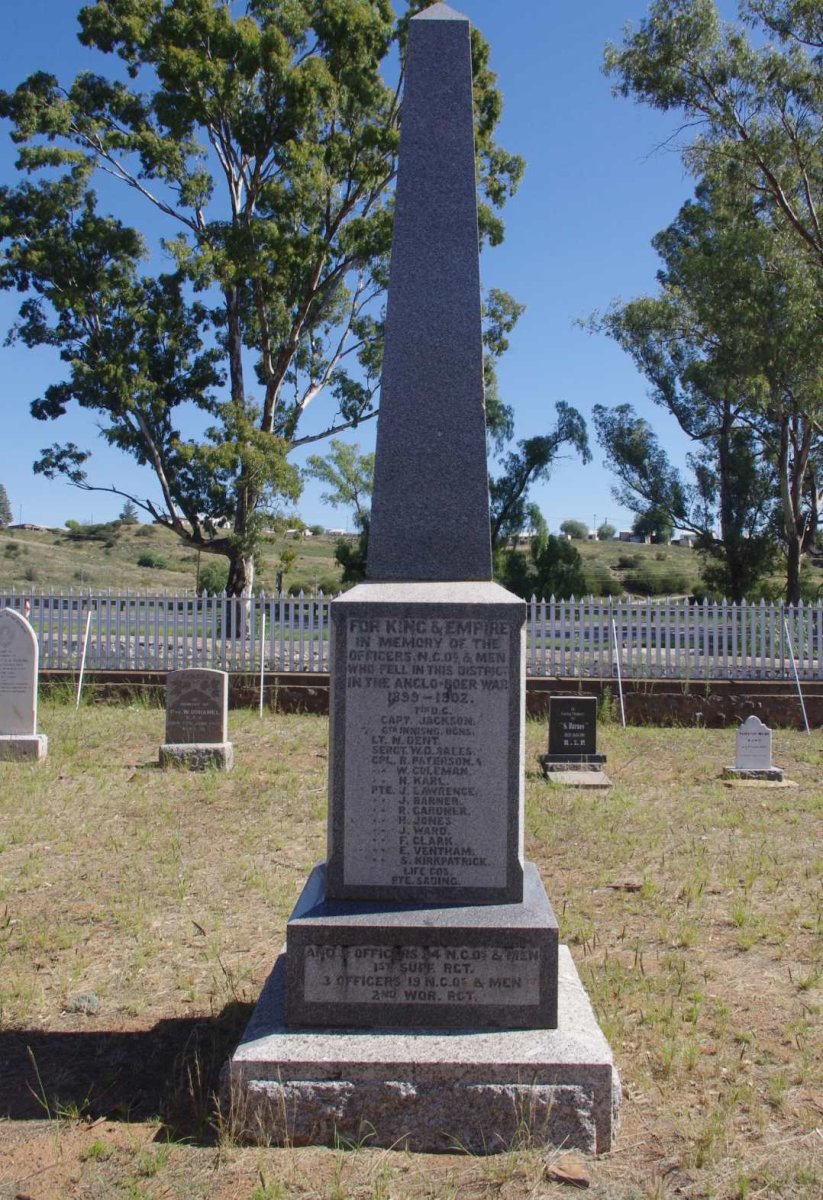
(430, 508)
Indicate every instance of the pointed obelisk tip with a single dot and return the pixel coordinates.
(439, 12)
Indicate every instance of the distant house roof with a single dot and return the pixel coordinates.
(31, 525)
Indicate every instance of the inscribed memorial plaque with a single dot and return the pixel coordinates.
(18, 675)
(572, 726)
(471, 975)
(197, 706)
(426, 785)
(753, 745)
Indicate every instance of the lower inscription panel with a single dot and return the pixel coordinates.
(468, 975)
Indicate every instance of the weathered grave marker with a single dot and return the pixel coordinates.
(425, 917)
(197, 703)
(19, 659)
(753, 753)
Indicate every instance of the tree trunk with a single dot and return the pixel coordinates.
(794, 561)
(239, 586)
(729, 533)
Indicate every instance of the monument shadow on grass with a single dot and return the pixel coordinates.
(169, 1071)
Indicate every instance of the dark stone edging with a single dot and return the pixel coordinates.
(715, 704)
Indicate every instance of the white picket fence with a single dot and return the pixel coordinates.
(651, 639)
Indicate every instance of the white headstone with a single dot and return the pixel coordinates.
(753, 746)
(18, 675)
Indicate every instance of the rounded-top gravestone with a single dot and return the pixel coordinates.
(19, 659)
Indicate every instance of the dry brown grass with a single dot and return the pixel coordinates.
(140, 913)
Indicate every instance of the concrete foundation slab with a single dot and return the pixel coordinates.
(23, 748)
(759, 783)
(772, 774)
(197, 756)
(425, 1090)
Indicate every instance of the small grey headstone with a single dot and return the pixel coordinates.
(19, 658)
(197, 704)
(753, 753)
(753, 745)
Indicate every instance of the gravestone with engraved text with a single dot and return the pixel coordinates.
(753, 753)
(572, 735)
(19, 659)
(197, 701)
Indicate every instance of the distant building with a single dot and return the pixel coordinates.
(31, 526)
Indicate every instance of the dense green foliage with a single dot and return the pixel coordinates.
(266, 143)
(552, 567)
(733, 343)
(5, 508)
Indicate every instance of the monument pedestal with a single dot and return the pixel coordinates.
(424, 1089)
(381, 965)
(22, 747)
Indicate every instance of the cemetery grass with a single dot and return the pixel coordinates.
(140, 913)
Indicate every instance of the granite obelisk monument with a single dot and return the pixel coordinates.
(425, 918)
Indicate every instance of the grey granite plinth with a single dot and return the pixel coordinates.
(383, 965)
(197, 756)
(773, 774)
(579, 779)
(427, 736)
(18, 748)
(422, 1090)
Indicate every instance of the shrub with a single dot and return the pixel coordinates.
(11, 550)
(213, 578)
(648, 581)
(91, 533)
(627, 561)
(604, 583)
(149, 558)
(144, 531)
(31, 573)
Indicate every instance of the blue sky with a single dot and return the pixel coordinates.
(602, 178)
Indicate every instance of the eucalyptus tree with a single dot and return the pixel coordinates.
(752, 104)
(733, 349)
(263, 145)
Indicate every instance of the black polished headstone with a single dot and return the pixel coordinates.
(573, 731)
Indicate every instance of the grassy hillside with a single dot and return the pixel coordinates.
(109, 556)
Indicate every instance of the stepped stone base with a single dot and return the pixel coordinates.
(772, 774)
(421, 1089)
(22, 748)
(370, 964)
(579, 779)
(197, 756)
